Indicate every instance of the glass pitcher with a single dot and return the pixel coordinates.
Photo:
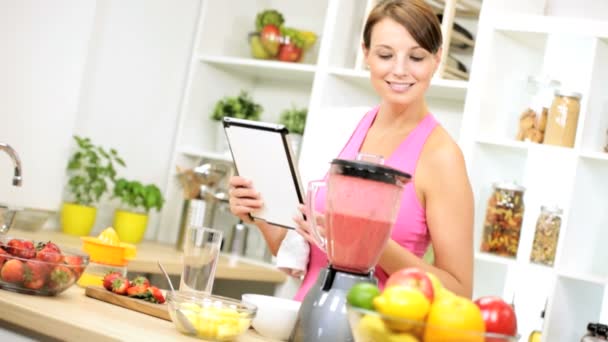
(362, 202)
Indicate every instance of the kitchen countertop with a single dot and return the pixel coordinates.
(148, 253)
(72, 316)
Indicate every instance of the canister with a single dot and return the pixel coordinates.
(503, 221)
(563, 119)
(546, 235)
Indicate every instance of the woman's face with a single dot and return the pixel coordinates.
(401, 70)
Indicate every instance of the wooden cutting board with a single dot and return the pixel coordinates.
(139, 305)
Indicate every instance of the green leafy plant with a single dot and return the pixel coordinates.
(294, 119)
(136, 195)
(91, 169)
(241, 106)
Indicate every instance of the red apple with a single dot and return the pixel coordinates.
(498, 315)
(413, 277)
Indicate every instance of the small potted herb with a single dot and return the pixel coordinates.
(91, 170)
(137, 199)
(241, 107)
(294, 119)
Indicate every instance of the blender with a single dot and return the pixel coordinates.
(362, 202)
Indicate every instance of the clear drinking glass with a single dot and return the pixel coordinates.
(201, 253)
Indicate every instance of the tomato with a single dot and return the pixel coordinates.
(454, 319)
(289, 53)
(498, 315)
(362, 295)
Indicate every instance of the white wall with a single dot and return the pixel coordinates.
(111, 70)
(137, 64)
(43, 48)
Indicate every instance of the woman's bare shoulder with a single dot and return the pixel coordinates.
(441, 151)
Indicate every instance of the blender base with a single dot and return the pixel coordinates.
(322, 316)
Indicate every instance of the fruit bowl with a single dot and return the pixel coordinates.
(209, 317)
(281, 47)
(368, 326)
(38, 268)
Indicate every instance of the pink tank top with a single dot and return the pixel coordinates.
(410, 230)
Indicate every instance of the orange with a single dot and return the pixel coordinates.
(454, 319)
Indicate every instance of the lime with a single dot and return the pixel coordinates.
(362, 295)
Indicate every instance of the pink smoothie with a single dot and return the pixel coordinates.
(354, 243)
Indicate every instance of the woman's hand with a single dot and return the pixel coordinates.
(243, 198)
(303, 226)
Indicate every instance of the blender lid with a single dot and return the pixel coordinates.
(372, 171)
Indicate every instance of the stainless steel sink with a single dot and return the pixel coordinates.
(7, 215)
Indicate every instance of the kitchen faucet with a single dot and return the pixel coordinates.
(11, 152)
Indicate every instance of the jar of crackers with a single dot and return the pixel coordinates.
(548, 225)
(503, 221)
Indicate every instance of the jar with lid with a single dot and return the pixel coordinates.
(533, 119)
(546, 235)
(503, 221)
(563, 119)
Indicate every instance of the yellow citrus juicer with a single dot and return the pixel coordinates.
(107, 248)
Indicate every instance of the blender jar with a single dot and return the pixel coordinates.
(362, 203)
(503, 221)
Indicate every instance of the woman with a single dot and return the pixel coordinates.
(402, 45)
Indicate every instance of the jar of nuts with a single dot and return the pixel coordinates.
(533, 120)
(504, 216)
(546, 235)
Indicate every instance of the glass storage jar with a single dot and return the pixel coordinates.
(503, 221)
(533, 119)
(548, 225)
(563, 119)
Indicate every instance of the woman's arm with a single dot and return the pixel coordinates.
(448, 201)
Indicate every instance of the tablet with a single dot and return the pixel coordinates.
(261, 152)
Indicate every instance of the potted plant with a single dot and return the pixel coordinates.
(241, 106)
(91, 169)
(131, 220)
(294, 119)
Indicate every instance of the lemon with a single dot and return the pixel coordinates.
(109, 237)
(372, 328)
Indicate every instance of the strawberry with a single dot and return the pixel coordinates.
(120, 285)
(137, 291)
(34, 275)
(12, 271)
(154, 295)
(109, 278)
(49, 252)
(75, 263)
(140, 280)
(60, 278)
(3, 256)
(21, 249)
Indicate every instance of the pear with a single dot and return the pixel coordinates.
(257, 49)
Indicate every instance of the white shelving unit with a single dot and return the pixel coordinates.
(518, 39)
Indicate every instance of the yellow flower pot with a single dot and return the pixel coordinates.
(130, 226)
(77, 219)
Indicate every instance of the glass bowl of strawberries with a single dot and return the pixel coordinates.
(38, 268)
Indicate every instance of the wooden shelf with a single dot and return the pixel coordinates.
(262, 69)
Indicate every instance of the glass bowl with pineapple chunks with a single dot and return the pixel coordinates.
(209, 317)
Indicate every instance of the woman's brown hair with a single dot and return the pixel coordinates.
(415, 15)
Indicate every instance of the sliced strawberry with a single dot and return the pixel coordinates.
(34, 275)
(109, 278)
(60, 278)
(120, 285)
(12, 271)
(154, 295)
(140, 280)
(137, 291)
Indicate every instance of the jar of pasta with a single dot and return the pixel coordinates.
(548, 225)
(563, 119)
(503, 221)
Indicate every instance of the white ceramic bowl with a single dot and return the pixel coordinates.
(275, 317)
